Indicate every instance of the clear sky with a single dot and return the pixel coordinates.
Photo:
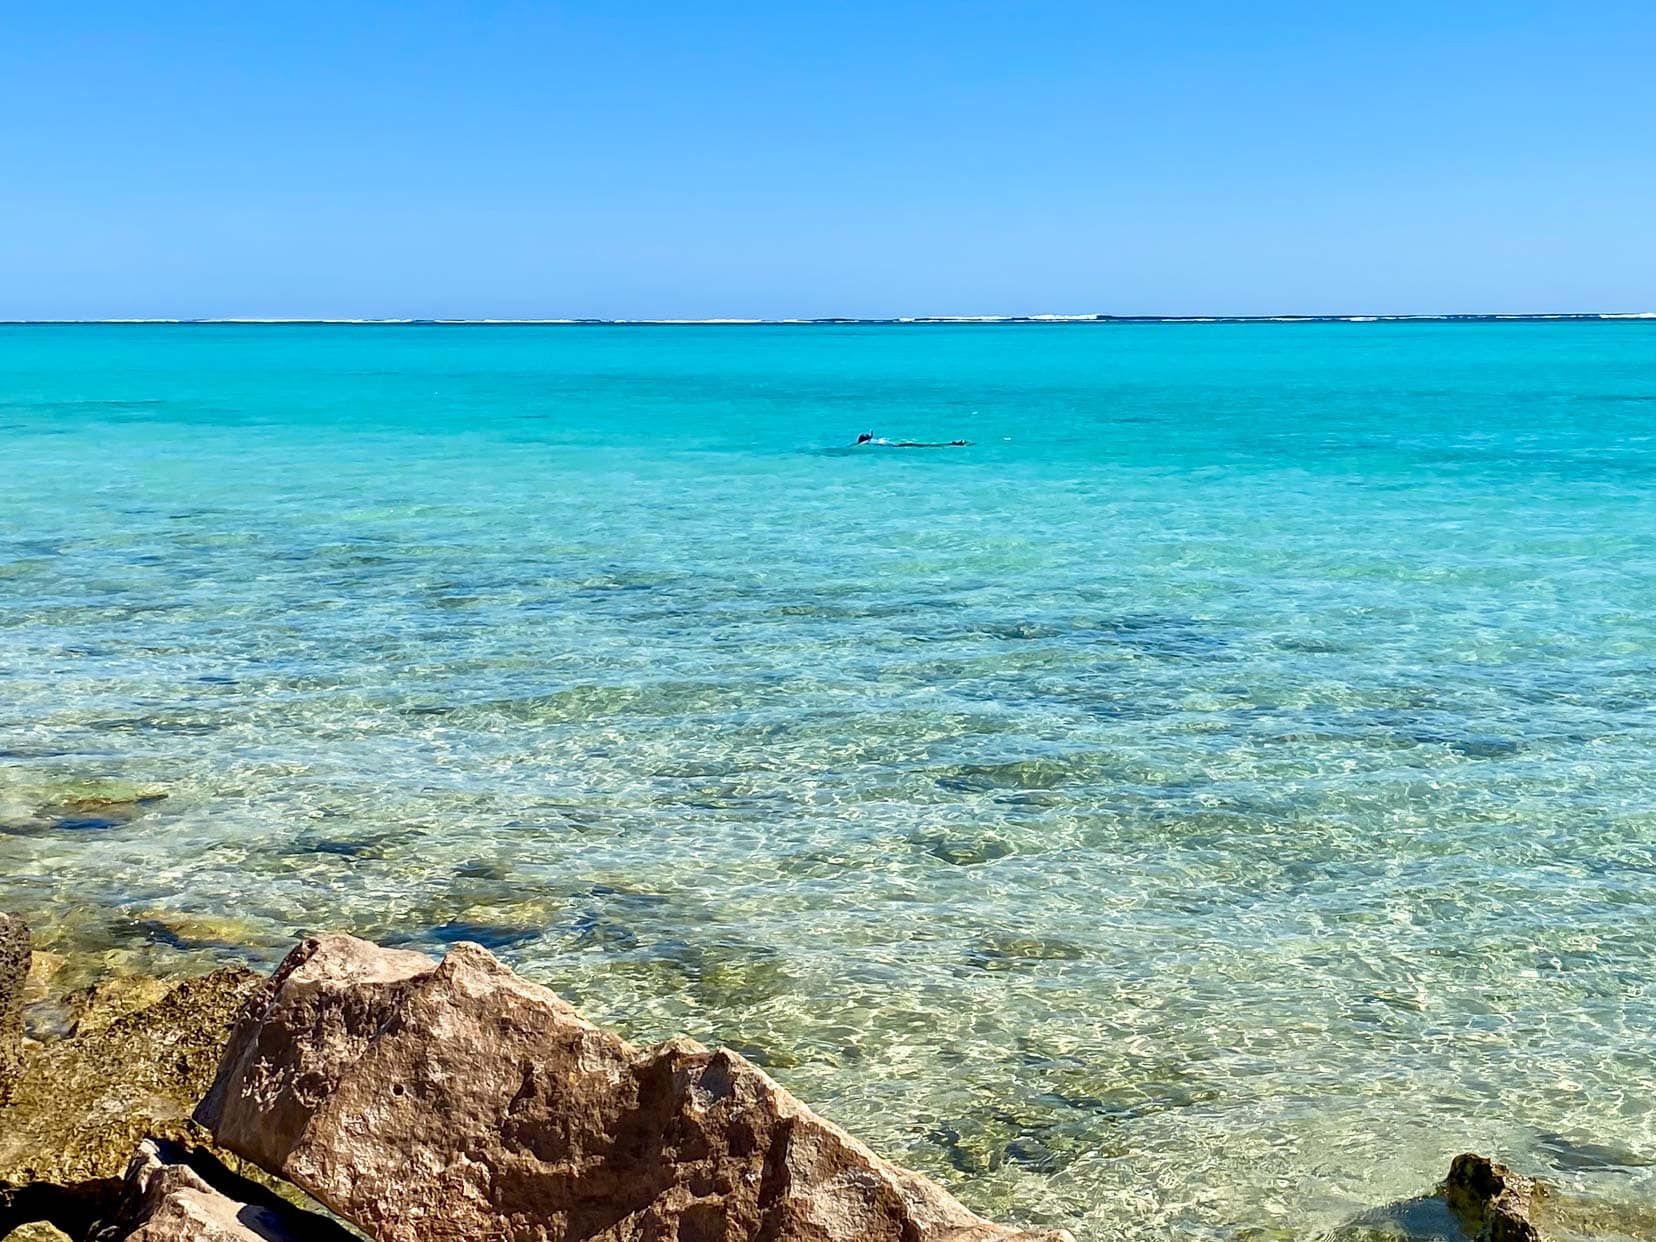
(640, 159)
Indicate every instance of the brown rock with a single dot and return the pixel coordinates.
(14, 976)
(439, 1103)
(1491, 1202)
(173, 1195)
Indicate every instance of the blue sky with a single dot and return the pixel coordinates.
(634, 159)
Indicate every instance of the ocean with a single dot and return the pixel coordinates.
(1197, 808)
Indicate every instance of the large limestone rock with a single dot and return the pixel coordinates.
(435, 1103)
(173, 1195)
(14, 974)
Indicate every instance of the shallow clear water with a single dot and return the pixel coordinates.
(1199, 808)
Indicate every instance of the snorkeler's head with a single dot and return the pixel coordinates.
(865, 437)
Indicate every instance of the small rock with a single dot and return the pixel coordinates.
(44, 968)
(174, 1195)
(1491, 1202)
(37, 1231)
(455, 1102)
(14, 977)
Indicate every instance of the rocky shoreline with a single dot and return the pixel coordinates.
(363, 1091)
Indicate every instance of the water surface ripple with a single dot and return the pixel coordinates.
(1198, 809)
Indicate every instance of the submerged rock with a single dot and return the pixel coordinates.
(171, 1194)
(439, 1102)
(1585, 1156)
(97, 813)
(14, 977)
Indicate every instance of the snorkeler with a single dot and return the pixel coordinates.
(868, 437)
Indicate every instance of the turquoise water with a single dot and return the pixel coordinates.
(1199, 808)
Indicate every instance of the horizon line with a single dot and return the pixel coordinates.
(828, 320)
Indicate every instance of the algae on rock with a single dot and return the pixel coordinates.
(81, 1105)
(14, 975)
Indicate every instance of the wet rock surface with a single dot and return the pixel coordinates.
(425, 1101)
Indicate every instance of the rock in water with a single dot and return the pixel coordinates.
(450, 1102)
(14, 973)
(1491, 1202)
(171, 1195)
